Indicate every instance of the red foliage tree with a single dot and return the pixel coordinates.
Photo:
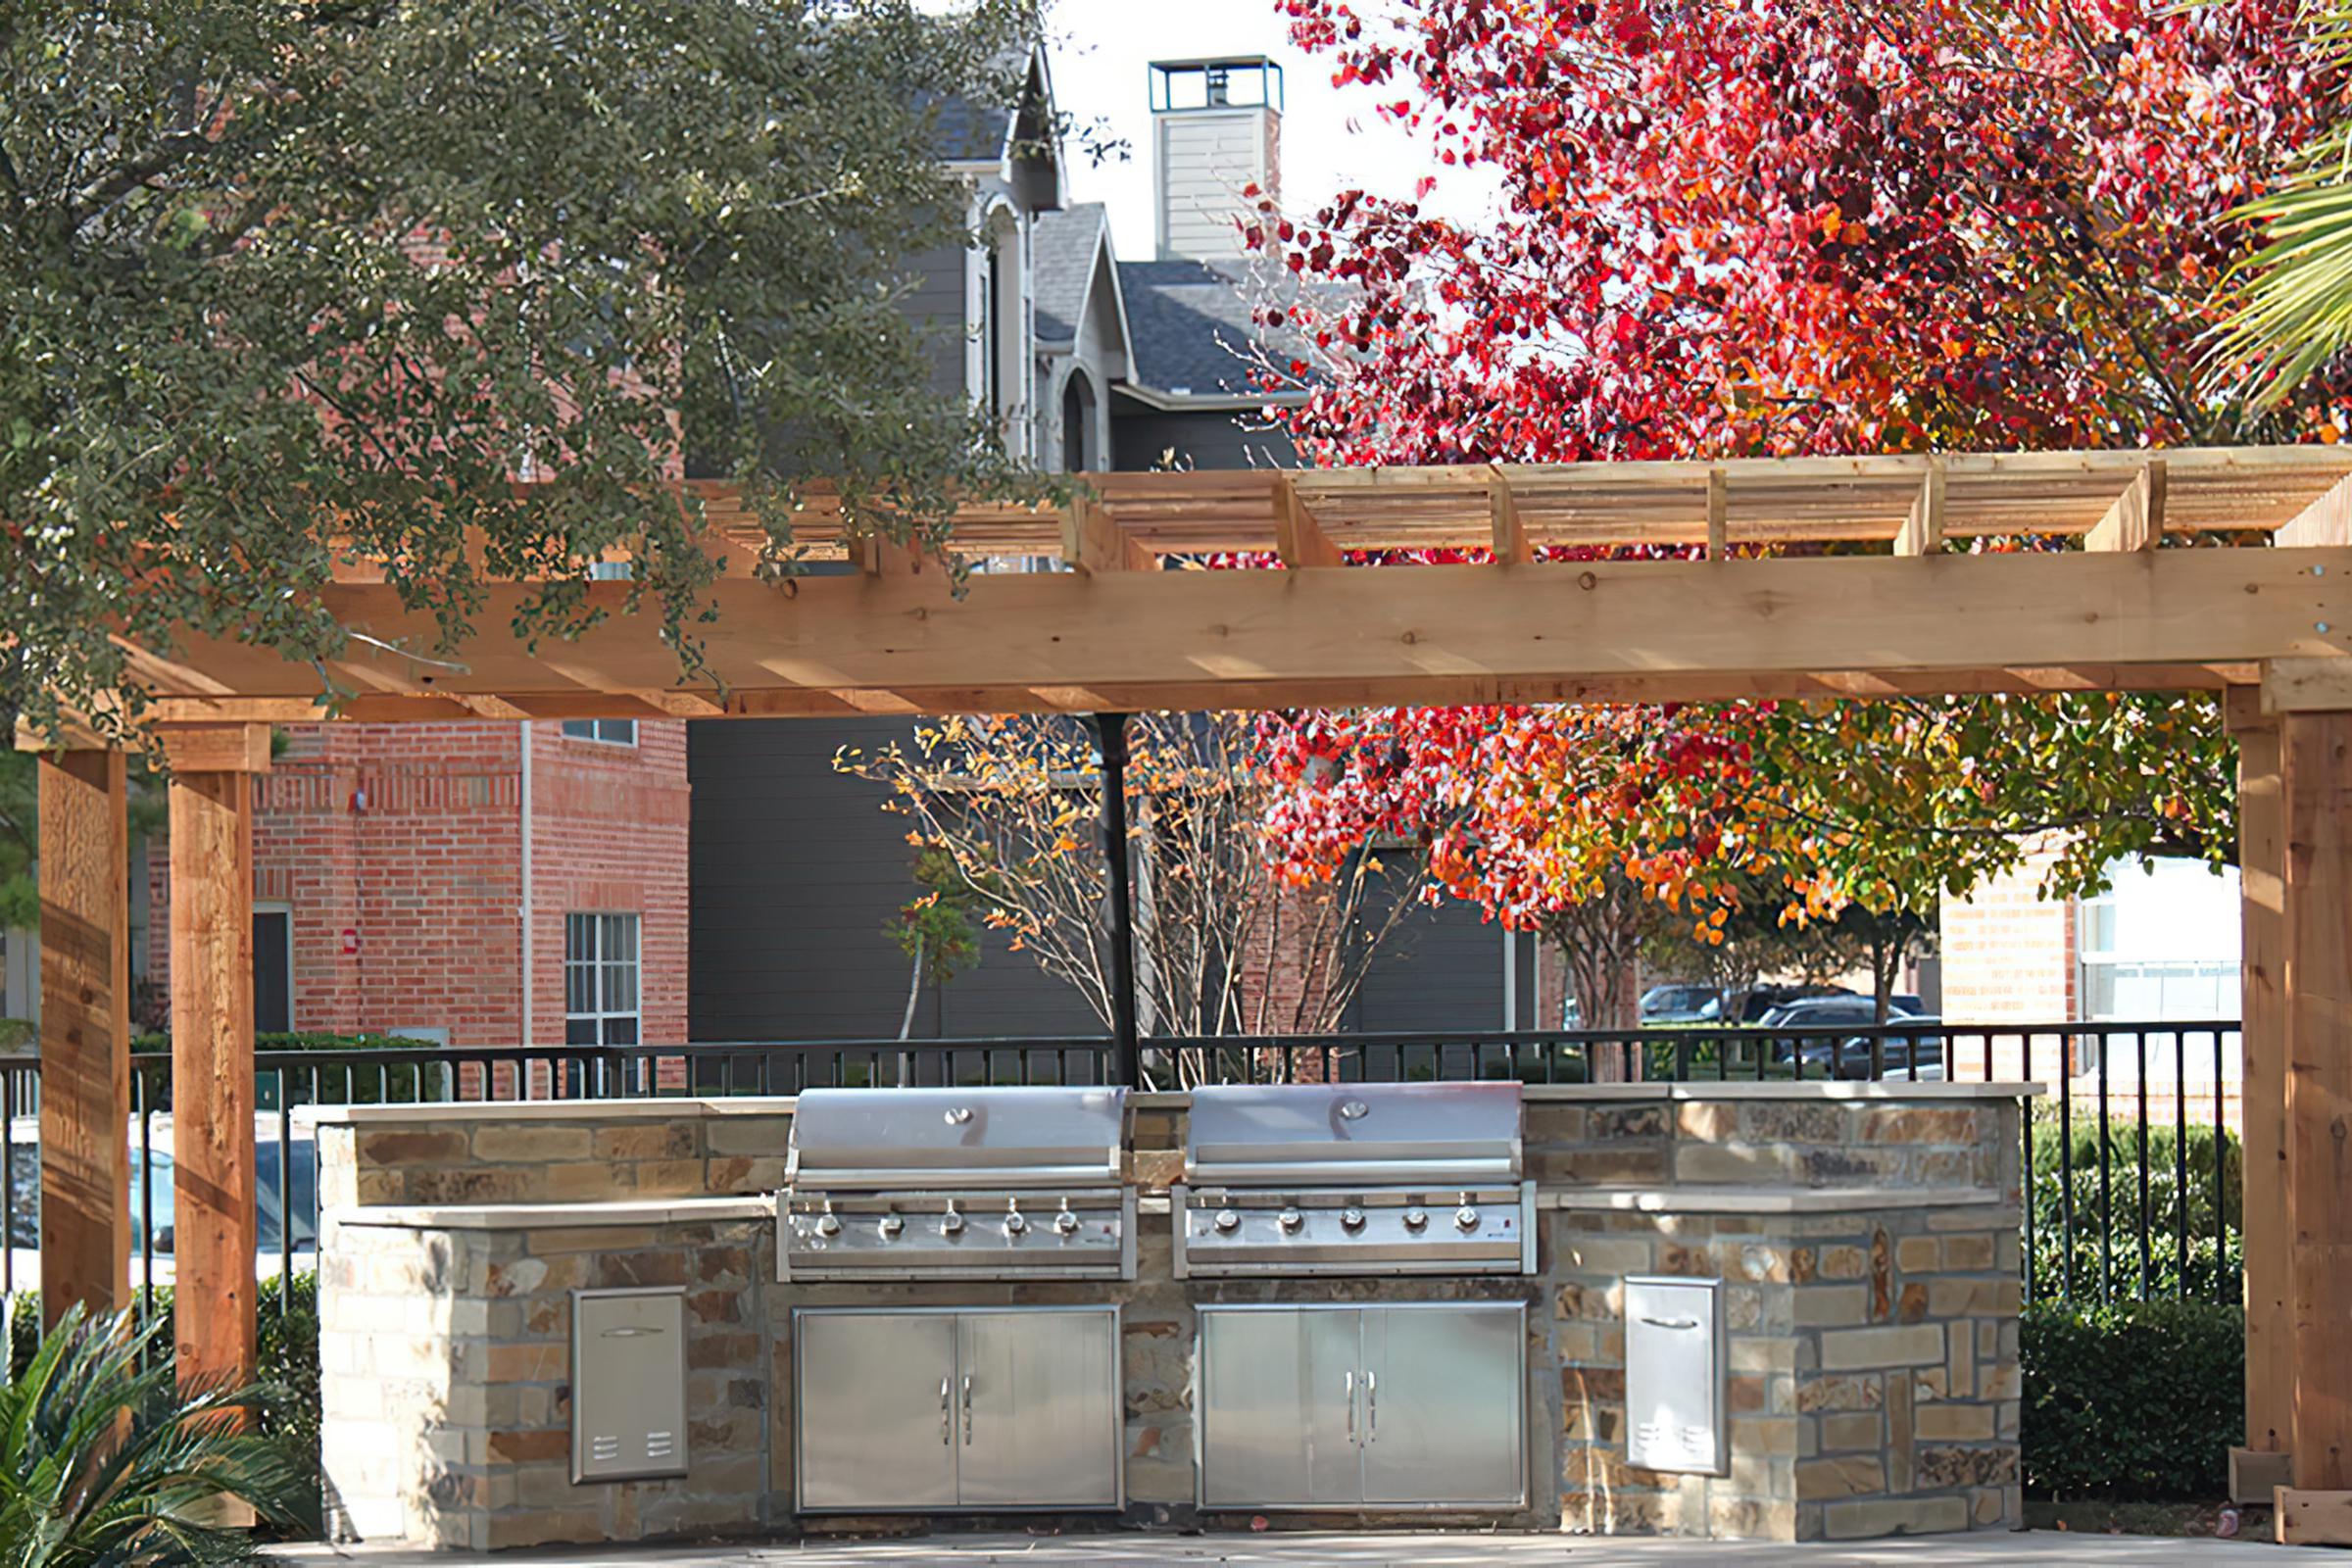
(1774, 227)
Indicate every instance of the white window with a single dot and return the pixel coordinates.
(2162, 941)
(600, 980)
(611, 731)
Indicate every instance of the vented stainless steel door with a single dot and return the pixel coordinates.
(1442, 1419)
(875, 1423)
(1038, 1415)
(1278, 1408)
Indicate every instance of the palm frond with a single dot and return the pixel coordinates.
(105, 1458)
(2294, 312)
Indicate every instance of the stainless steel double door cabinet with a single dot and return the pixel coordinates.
(942, 1408)
(1414, 1405)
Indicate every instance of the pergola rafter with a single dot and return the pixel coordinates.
(2258, 605)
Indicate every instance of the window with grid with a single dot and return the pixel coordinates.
(600, 980)
(611, 731)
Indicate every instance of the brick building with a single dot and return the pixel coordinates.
(399, 871)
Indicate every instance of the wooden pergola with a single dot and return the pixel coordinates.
(2221, 570)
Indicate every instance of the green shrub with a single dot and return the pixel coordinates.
(2207, 1271)
(2131, 1403)
(288, 1336)
(393, 1084)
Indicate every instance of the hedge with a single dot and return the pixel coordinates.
(336, 1085)
(2207, 1273)
(2131, 1403)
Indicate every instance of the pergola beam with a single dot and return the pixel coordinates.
(1922, 532)
(1298, 538)
(1174, 639)
(2136, 519)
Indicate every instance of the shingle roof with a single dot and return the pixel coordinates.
(1062, 249)
(1188, 324)
(965, 132)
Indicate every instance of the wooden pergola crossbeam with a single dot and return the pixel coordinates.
(1241, 638)
(1783, 500)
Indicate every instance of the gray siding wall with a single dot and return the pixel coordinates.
(1211, 439)
(796, 873)
(936, 302)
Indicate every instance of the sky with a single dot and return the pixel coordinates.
(1332, 139)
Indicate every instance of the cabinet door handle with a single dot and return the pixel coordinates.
(1670, 1322)
(1371, 1408)
(947, 1409)
(967, 1409)
(1350, 1406)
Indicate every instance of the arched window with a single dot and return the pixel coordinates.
(1077, 423)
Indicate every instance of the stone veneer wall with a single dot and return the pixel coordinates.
(1873, 1319)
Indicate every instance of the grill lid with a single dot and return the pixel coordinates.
(1396, 1135)
(869, 1139)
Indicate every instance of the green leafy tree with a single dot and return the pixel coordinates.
(288, 286)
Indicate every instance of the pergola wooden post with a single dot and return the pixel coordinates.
(2264, 1463)
(214, 1218)
(86, 1032)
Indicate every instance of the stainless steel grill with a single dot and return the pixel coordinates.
(1354, 1179)
(957, 1184)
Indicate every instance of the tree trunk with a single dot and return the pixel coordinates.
(914, 989)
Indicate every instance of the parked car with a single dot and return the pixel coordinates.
(1679, 1002)
(1907, 1056)
(151, 1190)
(1813, 1012)
(1754, 1003)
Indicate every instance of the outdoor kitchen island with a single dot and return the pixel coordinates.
(1782, 1311)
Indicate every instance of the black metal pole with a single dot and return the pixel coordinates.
(1110, 743)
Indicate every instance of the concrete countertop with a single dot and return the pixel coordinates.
(536, 1217)
(1148, 1099)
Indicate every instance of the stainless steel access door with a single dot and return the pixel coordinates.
(1443, 1419)
(1278, 1403)
(1038, 1408)
(876, 1421)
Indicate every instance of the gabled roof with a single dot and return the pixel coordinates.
(1189, 331)
(1065, 250)
(1008, 140)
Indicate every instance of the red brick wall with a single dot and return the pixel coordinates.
(410, 837)
(609, 836)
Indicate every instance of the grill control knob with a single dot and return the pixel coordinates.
(1292, 1219)
(1466, 1217)
(1228, 1220)
(1416, 1218)
(1015, 1223)
(951, 1223)
(892, 1224)
(1352, 1218)
(1066, 1222)
(828, 1224)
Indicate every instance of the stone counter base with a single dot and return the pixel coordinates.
(1874, 1387)
(1872, 1349)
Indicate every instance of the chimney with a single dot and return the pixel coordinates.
(1216, 130)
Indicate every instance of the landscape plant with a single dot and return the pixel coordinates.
(107, 1457)
(1003, 816)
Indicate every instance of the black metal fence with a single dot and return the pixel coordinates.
(2133, 1173)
